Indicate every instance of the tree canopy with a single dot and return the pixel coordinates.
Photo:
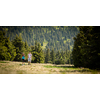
(57, 37)
(86, 51)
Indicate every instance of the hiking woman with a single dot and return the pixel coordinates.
(23, 59)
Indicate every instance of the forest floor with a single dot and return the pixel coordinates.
(11, 67)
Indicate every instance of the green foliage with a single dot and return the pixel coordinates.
(87, 47)
(19, 45)
(59, 61)
(7, 50)
(26, 50)
(63, 57)
(3, 49)
(37, 52)
(47, 57)
(52, 56)
(57, 37)
(11, 51)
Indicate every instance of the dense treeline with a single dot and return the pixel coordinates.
(57, 37)
(60, 57)
(12, 50)
(7, 49)
(86, 51)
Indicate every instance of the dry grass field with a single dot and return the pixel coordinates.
(11, 67)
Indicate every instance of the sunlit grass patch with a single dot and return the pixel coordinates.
(48, 66)
(95, 71)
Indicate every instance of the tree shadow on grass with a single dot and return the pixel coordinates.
(86, 71)
(64, 66)
(76, 70)
(21, 72)
(72, 69)
(3, 62)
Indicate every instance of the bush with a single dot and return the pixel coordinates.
(60, 61)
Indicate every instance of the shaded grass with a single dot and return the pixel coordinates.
(64, 67)
(3, 62)
(20, 72)
(72, 69)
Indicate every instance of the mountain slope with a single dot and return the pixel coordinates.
(57, 37)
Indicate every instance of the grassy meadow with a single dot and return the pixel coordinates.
(12, 67)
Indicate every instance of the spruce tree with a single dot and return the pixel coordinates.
(77, 51)
(27, 49)
(40, 54)
(87, 47)
(58, 55)
(7, 50)
(19, 45)
(11, 51)
(3, 48)
(47, 58)
(52, 56)
(37, 52)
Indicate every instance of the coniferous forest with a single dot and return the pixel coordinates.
(52, 44)
(49, 44)
(57, 37)
(86, 51)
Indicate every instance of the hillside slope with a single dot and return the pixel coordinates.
(57, 37)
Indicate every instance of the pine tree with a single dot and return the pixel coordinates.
(41, 55)
(37, 52)
(11, 51)
(3, 48)
(59, 58)
(77, 51)
(27, 49)
(87, 47)
(7, 50)
(19, 45)
(47, 58)
(52, 56)
(55, 36)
